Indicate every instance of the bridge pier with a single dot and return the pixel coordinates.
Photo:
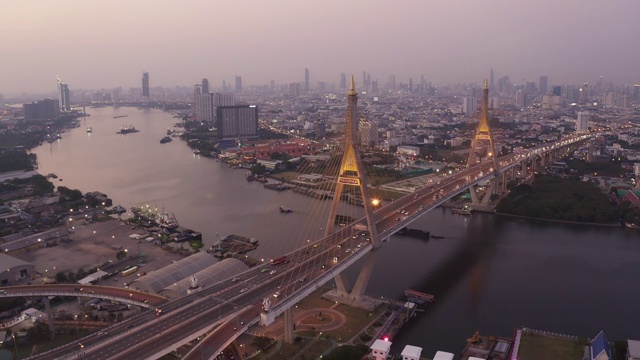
(355, 296)
(478, 203)
(288, 325)
(50, 317)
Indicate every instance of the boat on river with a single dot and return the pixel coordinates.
(285, 210)
(127, 130)
(166, 139)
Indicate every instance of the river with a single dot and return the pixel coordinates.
(488, 273)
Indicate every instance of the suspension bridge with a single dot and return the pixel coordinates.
(218, 314)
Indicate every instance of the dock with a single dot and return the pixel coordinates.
(277, 186)
(232, 245)
(487, 347)
(419, 295)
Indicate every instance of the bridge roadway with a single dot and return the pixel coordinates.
(127, 296)
(235, 304)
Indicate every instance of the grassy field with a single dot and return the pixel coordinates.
(288, 351)
(535, 347)
(357, 319)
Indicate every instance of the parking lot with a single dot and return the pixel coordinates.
(94, 244)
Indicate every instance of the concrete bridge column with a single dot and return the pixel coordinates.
(523, 168)
(288, 325)
(358, 291)
(492, 190)
(342, 285)
(474, 195)
(50, 317)
(503, 181)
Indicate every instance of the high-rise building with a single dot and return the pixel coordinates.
(47, 109)
(205, 86)
(543, 84)
(238, 83)
(469, 104)
(582, 122)
(374, 86)
(368, 133)
(294, 89)
(145, 84)
(636, 93)
(521, 98)
(410, 84)
(343, 81)
(1, 100)
(552, 102)
(491, 78)
(306, 80)
(237, 121)
(63, 96)
(557, 91)
(391, 84)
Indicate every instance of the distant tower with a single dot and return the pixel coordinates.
(63, 96)
(543, 84)
(238, 83)
(306, 80)
(205, 86)
(491, 83)
(343, 81)
(483, 133)
(145, 85)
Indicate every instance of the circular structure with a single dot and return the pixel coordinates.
(309, 320)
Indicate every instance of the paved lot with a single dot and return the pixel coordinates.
(92, 246)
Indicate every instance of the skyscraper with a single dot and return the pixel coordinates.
(469, 104)
(543, 84)
(582, 122)
(521, 99)
(205, 86)
(491, 78)
(238, 83)
(237, 121)
(145, 85)
(47, 109)
(343, 81)
(63, 96)
(306, 80)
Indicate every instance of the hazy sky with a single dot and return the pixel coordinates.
(108, 43)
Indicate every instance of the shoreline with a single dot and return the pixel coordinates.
(557, 221)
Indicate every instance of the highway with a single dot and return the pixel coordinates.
(236, 302)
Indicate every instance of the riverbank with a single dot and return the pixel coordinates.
(556, 221)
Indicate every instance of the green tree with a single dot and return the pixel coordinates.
(262, 342)
(348, 352)
(258, 169)
(38, 333)
(61, 277)
(80, 274)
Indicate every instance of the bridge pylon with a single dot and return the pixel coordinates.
(481, 140)
(351, 174)
(483, 135)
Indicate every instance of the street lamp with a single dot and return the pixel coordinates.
(15, 345)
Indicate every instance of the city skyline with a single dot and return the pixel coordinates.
(446, 42)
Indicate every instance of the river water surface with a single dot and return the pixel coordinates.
(489, 273)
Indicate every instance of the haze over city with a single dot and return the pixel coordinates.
(110, 43)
